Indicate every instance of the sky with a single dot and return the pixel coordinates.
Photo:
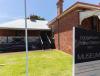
(14, 9)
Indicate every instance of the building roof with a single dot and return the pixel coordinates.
(74, 6)
(87, 14)
(20, 24)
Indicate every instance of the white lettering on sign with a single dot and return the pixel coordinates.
(88, 56)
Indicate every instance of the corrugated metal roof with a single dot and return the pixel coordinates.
(20, 24)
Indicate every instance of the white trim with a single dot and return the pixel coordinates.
(41, 40)
(48, 38)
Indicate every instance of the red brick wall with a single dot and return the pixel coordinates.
(86, 24)
(66, 24)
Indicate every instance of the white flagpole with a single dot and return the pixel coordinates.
(26, 34)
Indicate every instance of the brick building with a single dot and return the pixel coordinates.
(78, 15)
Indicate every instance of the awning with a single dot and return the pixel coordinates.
(20, 25)
(86, 14)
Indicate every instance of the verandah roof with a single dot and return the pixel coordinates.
(20, 25)
(87, 14)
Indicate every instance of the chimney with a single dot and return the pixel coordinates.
(59, 7)
(99, 4)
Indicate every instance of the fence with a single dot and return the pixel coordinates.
(17, 43)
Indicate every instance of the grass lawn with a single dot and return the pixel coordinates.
(41, 63)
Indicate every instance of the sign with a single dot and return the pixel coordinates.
(87, 53)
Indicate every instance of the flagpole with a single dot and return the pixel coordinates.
(26, 34)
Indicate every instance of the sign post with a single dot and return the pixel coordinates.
(87, 53)
(73, 35)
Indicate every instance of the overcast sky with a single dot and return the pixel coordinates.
(14, 9)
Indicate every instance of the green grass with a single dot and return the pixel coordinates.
(41, 63)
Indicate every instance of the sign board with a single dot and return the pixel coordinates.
(87, 53)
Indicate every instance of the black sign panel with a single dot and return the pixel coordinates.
(87, 45)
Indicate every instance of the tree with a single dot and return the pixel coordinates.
(35, 17)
